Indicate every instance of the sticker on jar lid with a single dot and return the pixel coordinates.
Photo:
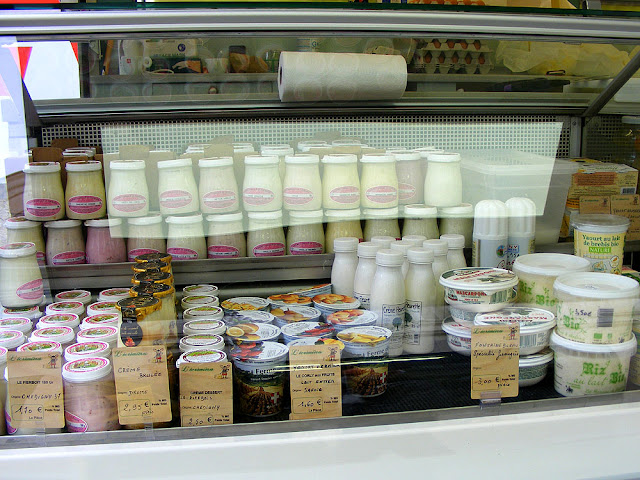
(382, 194)
(140, 251)
(297, 196)
(261, 352)
(222, 251)
(65, 306)
(296, 313)
(257, 196)
(98, 332)
(406, 191)
(175, 199)
(15, 323)
(75, 257)
(316, 341)
(253, 332)
(115, 292)
(199, 299)
(43, 207)
(200, 290)
(207, 311)
(204, 325)
(53, 332)
(307, 329)
(180, 253)
(129, 202)
(219, 199)
(248, 316)
(87, 348)
(40, 346)
(269, 249)
(204, 356)
(84, 204)
(60, 319)
(102, 318)
(355, 317)
(8, 336)
(201, 340)
(73, 294)
(345, 195)
(306, 248)
(32, 290)
(20, 311)
(479, 278)
(245, 303)
(77, 369)
(103, 306)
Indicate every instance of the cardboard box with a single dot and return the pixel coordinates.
(598, 178)
(623, 205)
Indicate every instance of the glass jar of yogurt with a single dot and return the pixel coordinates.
(105, 241)
(186, 238)
(19, 229)
(302, 189)
(128, 193)
(305, 235)
(379, 186)
(280, 151)
(381, 222)
(458, 219)
(145, 235)
(443, 182)
(177, 188)
(226, 236)
(410, 176)
(342, 223)
(20, 278)
(218, 185)
(85, 196)
(420, 220)
(340, 182)
(43, 197)
(262, 188)
(266, 235)
(65, 243)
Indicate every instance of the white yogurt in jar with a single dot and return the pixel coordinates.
(218, 186)
(128, 193)
(379, 188)
(302, 188)
(177, 188)
(262, 188)
(20, 278)
(340, 182)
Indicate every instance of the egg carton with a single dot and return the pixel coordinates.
(447, 44)
(450, 62)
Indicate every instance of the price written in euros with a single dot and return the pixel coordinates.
(308, 405)
(488, 382)
(135, 408)
(27, 412)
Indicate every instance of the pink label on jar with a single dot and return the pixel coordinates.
(271, 249)
(175, 198)
(305, 248)
(69, 258)
(75, 423)
(140, 251)
(40, 256)
(31, 290)
(85, 204)
(43, 207)
(406, 191)
(257, 196)
(219, 199)
(7, 418)
(346, 194)
(382, 194)
(297, 196)
(179, 253)
(129, 202)
(222, 251)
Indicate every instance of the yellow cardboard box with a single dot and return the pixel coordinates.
(598, 178)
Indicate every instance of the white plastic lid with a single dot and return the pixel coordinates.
(199, 300)
(490, 219)
(522, 216)
(70, 320)
(280, 149)
(306, 215)
(127, 165)
(104, 333)
(454, 240)
(420, 211)
(215, 162)
(224, 218)
(214, 327)
(261, 160)
(486, 279)
(113, 294)
(186, 220)
(550, 264)
(22, 324)
(3, 355)
(66, 307)
(531, 320)
(535, 359)
(200, 289)
(20, 223)
(340, 158)
(302, 158)
(83, 166)
(202, 355)
(405, 155)
(401, 246)
(86, 369)
(177, 163)
(439, 247)
(345, 244)
(58, 334)
(108, 306)
(630, 347)
(600, 223)
(420, 255)
(41, 346)
(389, 258)
(83, 296)
(148, 220)
(243, 147)
(452, 327)
(349, 213)
(344, 142)
(371, 158)
(63, 224)
(305, 145)
(595, 285)
(383, 241)
(209, 312)
(82, 350)
(100, 319)
(42, 167)
(415, 240)
(443, 157)
(29, 312)
(199, 341)
(368, 249)
(274, 215)
(17, 250)
(462, 210)
(11, 339)
(381, 212)
(103, 222)
(425, 151)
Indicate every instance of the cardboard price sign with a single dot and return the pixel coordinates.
(35, 390)
(316, 386)
(206, 394)
(142, 384)
(495, 353)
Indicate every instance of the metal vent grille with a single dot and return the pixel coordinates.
(603, 139)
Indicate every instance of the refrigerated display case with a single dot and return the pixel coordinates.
(517, 92)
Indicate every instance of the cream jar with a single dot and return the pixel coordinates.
(208, 326)
(19, 230)
(302, 188)
(145, 235)
(65, 336)
(379, 186)
(85, 196)
(43, 196)
(410, 176)
(342, 223)
(177, 188)
(420, 220)
(280, 151)
(202, 289)
(113, 294)
(266, 236)
(105, 241)
(340, 182)
(218, 186)
(458, 219)
(82, 350)
(226, 236)
(479, 289)
(262, 188)
(11, 339)
(22, 324)
(381, 222)
(70, 320)
(104, 333)
(20, 278)
(186, 238)
(443, 182)
(305, 235)
(65, 244)
(128, 193)
(203, 313)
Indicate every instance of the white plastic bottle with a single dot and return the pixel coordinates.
(365, 271)
(440, 265)
(302, 188)
(490, 237)
(402, 247)
(443, 182)
(388, 298)
(420, 286)
(522, 228)
(415, 240)
(455, 254)
(383, 241)
(344, 267)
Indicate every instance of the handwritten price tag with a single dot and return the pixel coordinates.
(35, 390)
(494, 360)
(206, 394)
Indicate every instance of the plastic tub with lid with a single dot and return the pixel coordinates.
(344, 319)
(104, 319)
(248, 316)
(212, 327)
(458, 336)
(32, 313)
(203, 312)
(293, 331)
(70, 320)
(253, 332)
(81, 350)
(83, 296)
(113, 294)
(76, 308)
(11, 339)
(332, 302)
(40, 346)
(238, 304)
(102, 333)
(300, 342)
(63, 335)
(533, 368)
(294, 314)
(202, 355)
(201, 289)
(191, 301)
(479, 289)
(201, 341)
(287, 299)
(22, 324)
(600, 239)
(98, 308)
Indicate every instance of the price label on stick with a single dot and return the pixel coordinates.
(495, 352)
(206, 394)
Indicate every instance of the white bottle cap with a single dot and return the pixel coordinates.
(380, 212)
(273, 215)
(282, 149)
(225, 217)
(215, 162)
(425, 151)
(83, 166)
(151, 219)
(345, 244)
(454, 240)
(127, 165)
(42, 167)
(63, 224)
(186, 220)
(415, 240)
(17, 250)
(490, 219)
(405, 155)
(368, 249)
(103, 222)
(389, 258)
(401, 246)
(382, 241)
(420, 255)
(20, 223)
(439, 247)
(261, 160)
(343, 214)
(522, 216)
(371, 158)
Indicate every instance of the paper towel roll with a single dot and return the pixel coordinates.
(313, 76)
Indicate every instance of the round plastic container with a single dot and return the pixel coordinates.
(293, 331)
(288, 299)
(211, 290)
(63, 335)
(249, 316)
(199, 301)
(332, 302)
(201, 341)
(99, 334)
(461, 315)
(32, 313)
(104, 319)
(600, 239)
(594, 307)
(113, 294)
(315, 341)
(458, 336)
(479, 289)
(83, 296)
(212, 327)
(70, 320)
(82, 350)
(201, 355)
(40, 346)
(99, 308)
(22, 324)
(352, 318)
(11, 339)
(253, 332)
(66, 307)
(587, 369)
(537, 272)
(533, 368)
(294, 314)
(203, 312)
(238, 304)
(535, 325)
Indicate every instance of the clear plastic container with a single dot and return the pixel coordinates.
(20, 277)
(105, 241)
(177, 188)
(218, 186)
(381, 222)
(305, 235)
(266, 235)
(19, 229)
(145, 235)
(340, 182)
(128, 193)
(226, 236)
(186, 238)
(342, 223)
(43, 196)
(420, 220)
(65, 243)
(85, 196)
(302, 188)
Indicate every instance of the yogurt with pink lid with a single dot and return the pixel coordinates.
(83, 296)
(70, 320)
(103, 319)
(113, 294)
(66, 307)
(41, 346)
(21, 324)
(81, 350)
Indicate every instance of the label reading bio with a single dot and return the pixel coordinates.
(206, 394)
(271, 249)
(142, 384)
(316, 386)
(393, 318)
(257, 196)
(495, 351)
(35, 397)
(219, 199)
(297, 196)
(129, 202)
(43, 207)
(382, 194)
(305, 248)
(222, 251)
(69, 258)
(85, 204)
(175, 198)
(346, 195)
(179, 253)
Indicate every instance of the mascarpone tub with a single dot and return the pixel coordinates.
(594, 307)
(587, 369)
(458, 336)
(479, 289)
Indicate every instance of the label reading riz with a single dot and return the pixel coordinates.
(257, 196)
(175, 199)
(346, 195)
(271, 249)
(31, 290)
(85, 204)
(297, 196)
(140, 251)
(129, 202)
(69, 258)
(219, 199)
(222, 251)
(179, 253)
(382, 194)
(305, 248)
(43, 207)
(406, 191)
